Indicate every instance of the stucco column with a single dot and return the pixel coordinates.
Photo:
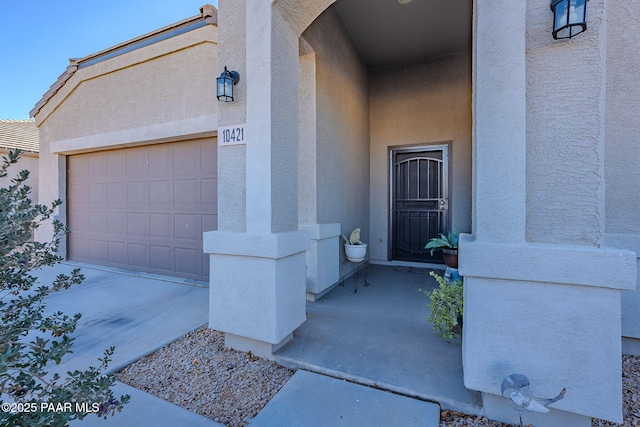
(622, 151)
(257, 283)
(52, 168)
(272, 121)
(323, 256)
(541, 303)
(499, 121)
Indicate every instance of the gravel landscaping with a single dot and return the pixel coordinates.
(231, 387)
(198, 373)
(630, 394)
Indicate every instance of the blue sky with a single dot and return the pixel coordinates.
(37, 38)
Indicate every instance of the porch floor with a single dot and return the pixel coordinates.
(380, 337)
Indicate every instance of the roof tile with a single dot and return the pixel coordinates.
(22, 134)
(208, 14)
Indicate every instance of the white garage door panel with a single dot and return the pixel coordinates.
(144, 208)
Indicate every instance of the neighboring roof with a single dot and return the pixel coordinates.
(22, 134)
(208, 16)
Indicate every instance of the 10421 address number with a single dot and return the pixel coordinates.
(231, 135)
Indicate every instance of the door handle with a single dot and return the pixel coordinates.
(443, 204)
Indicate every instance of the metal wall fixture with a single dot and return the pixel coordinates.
(569, 18)
(225, 84)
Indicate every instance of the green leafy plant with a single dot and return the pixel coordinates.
(446, 306)
(28, 394)
(450, 241)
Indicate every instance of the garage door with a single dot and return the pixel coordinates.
(144, 208)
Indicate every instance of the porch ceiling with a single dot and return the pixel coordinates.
(386, 32)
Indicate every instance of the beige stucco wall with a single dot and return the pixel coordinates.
(168, 81)
(507, 85)
(622, 144)
(268, 240)
(360, 114)
(28, 161)
(232, 163)
(422, 104)
(558, 210)
(158, 93)
(565, 104)
(539, 113)
(341, 152)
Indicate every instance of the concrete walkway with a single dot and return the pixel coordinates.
(380, 337)
(138, 313)
(314, 400)
(377, 337)
(146, 410)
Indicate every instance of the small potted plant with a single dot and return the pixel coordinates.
(446, 306)
(448, 245)
(354, 248)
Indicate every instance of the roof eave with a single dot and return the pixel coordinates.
(208, 16)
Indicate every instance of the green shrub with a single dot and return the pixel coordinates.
(28, 394)
(446, 306)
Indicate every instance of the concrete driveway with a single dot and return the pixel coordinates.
(137, 313)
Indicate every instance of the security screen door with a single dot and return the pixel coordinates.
(419, 200)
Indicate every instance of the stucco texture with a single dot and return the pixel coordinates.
(165, 82)
(28, 161)
(622, 143)
(565, 130)
(546, 306)
(158, 93)
(425, 104)
(535, 331)
(232, 159)
(335, 163)
(356, 114)
(267, 194)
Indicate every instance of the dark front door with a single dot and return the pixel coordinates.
(419, 200)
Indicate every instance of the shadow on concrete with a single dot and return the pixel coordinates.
(137, 313)
(380, 337)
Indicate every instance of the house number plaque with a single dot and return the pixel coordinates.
(231, 135)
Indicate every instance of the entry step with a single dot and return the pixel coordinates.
(309, 400)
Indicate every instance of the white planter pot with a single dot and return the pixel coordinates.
(356, 253)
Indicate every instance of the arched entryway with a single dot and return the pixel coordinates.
(259, 255)
(378, 78)
(328, 90)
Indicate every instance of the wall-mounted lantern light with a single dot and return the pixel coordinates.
(226, 81)
(569, 18)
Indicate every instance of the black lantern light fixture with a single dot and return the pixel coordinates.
(569, 18)
(226, 81)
